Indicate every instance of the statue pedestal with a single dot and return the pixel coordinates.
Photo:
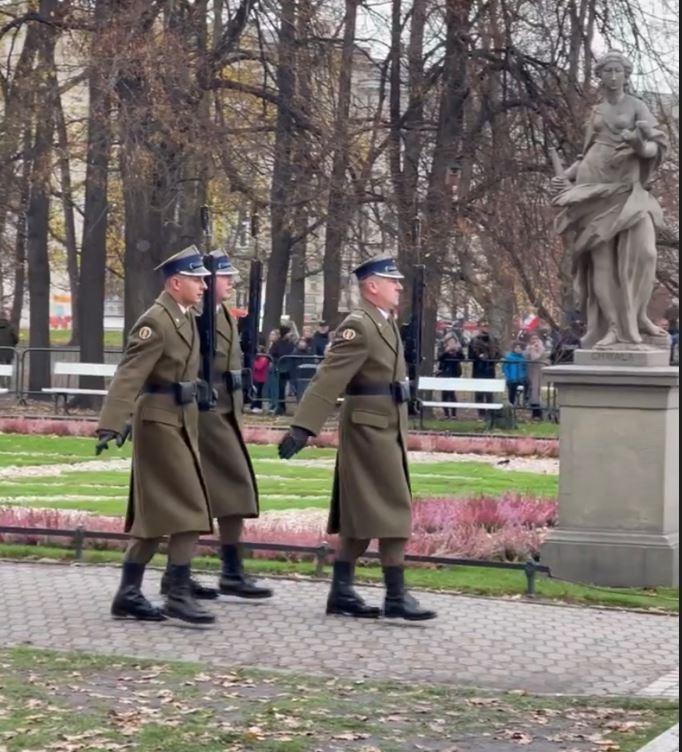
(625, 358)
(619, 483)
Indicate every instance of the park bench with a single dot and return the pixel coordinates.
(466, 385)
(6, 371)
(62, 368)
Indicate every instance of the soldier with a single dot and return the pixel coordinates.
(371, 496)
(156, 383)
(224, 457)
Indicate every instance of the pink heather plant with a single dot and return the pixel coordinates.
(511, 528)
(48, 427)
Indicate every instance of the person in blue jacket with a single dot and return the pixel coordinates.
(515, 371)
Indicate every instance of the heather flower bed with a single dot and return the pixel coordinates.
(509, 528)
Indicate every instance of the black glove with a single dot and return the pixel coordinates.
(295, 440)
(127, 435)
(105, 437)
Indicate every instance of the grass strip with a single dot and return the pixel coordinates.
(463, 579)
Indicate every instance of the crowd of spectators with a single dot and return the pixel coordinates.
(284, 365)
(287, 361)
(521, 366)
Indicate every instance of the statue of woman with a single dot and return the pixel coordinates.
(608, 216)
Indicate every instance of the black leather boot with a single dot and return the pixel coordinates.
(180, 603)
(233, 581)
(199, 591)
(343, 600)
(129, 601)
(399, 604)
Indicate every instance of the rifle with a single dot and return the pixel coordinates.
(249, 329)
(207, 321)
(412, 336)
(249, 325)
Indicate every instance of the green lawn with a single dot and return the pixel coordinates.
(49, 703)
(542, 430)
(63, 336)
(282, 485)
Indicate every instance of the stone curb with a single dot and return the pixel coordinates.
(669, 741)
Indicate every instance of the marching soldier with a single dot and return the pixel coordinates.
(224, 457)
(156, 383)
(371, 496)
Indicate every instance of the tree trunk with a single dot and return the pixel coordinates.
(192, 188)
(281, 195)
(338, 211)
(406, 137)
(439, 224)
(90, 311)
(67, 206)
(20, 243)
(144, 239)
(17, 112)
(38, 214)
(296, 297)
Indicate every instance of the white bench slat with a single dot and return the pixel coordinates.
(67, 390)
(471, 405)
(4, 391)
(6, 369)
(63, 368)
(443, 384)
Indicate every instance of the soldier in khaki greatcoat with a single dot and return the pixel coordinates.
(371, 495)
(156, 384)
(231, 481)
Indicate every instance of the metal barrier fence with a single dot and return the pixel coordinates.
(8, 356)
(293, 374)
(321, 553)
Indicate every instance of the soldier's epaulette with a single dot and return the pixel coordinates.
(355, 316)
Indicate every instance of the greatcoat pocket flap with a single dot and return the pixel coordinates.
(159, 415)
(365, 418)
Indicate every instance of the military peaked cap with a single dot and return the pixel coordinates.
(188, 263)
(223, 265)
(379, 266)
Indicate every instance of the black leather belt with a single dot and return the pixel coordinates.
(185, 392)
(398, 390)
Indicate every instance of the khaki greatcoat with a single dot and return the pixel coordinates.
(371, 496)
(224, 457)
(168, 493)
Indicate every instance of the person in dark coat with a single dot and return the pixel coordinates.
(304, 367)
(484, 353)
(320, 339)
(450, 366)
(8, 338)
(280, 352)
(564, 350)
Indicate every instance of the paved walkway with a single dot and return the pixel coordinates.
(476, 642)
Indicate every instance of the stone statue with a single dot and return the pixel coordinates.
(608, 217)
